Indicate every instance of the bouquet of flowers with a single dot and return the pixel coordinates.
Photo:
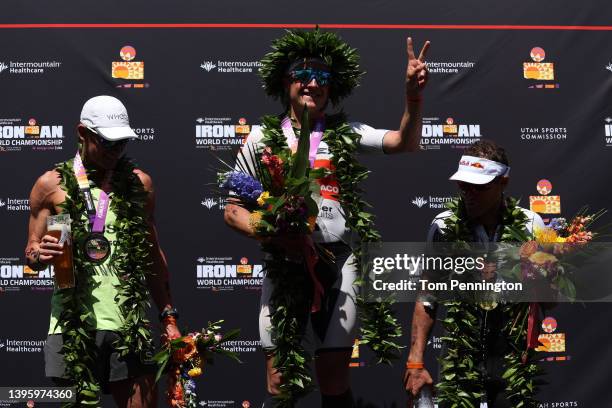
(185, 358)
(547, 256)
(277, 185)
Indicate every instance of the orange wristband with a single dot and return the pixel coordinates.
(414, 365)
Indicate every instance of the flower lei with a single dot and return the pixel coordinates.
(460, 384)
(379, 327)
(130, 257)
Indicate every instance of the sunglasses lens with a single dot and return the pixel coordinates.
(307, 75)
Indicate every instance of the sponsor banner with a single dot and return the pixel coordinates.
(550, 134)
(437, 134)
(230, 67)
(552, 341)
(227, 273)
(128, 73)
(17, 135)
(545, 204)
(14, 276)
(28, 68)
(432, 202)
(540, 74)
(222, 133)
(449, 67)
(214, 203)
(21, 345)
(14, 204)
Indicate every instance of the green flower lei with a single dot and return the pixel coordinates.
(379, 327)
(130, 257)
(342, 60)
(460, 380)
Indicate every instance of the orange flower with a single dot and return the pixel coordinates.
(186, 352)
(527, 249)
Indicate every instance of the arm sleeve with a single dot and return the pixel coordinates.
(371, 139)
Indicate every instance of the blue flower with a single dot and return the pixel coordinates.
(243, 185)
(558, 224)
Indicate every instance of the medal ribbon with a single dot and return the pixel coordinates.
(97, 216)
(315, 137)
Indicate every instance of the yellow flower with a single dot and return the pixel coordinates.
(255, 219)
(262, 198)
(195, 372)
(561, 240)
(546, 235)
(540, 258)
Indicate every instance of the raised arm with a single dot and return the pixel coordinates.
(408, 137)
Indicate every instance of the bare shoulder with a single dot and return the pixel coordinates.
(145, 179)
(46, 190)
(47, 183)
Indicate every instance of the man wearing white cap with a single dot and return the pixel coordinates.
(482, 214)
(99, 336)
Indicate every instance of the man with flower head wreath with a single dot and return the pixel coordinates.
(309, 69)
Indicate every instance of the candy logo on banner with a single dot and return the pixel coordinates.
(539, 71)
(356, 360)
(552, 341)
(240, 67)
(225, 274)
(15, 276)
(221, 133)
(545, 203)
(436, 134)
(128, 69)
(16, 136)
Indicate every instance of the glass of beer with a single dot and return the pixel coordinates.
(58, 226)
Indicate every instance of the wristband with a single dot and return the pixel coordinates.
(410, 364)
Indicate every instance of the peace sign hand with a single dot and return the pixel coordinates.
(416, 73)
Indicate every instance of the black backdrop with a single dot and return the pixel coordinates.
(476, 80)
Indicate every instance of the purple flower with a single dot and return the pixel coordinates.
(190, 385)
(558, 224)
(243, 185)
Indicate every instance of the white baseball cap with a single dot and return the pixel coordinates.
(477, 170)
(108, 117)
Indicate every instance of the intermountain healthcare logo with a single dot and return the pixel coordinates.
(241, 67)
(15, 204)
(128, 69)
(432, 202)
(242, 346)
(543, 133)
(15, 276)
(220, 133)
(28, 67)
(545, 203)
(226, 274)
(15, 135)
(551, 342)
(608, 131)
(436, 134)
(539, 71)
(22, 346)
(214, 202)
(449, 67)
